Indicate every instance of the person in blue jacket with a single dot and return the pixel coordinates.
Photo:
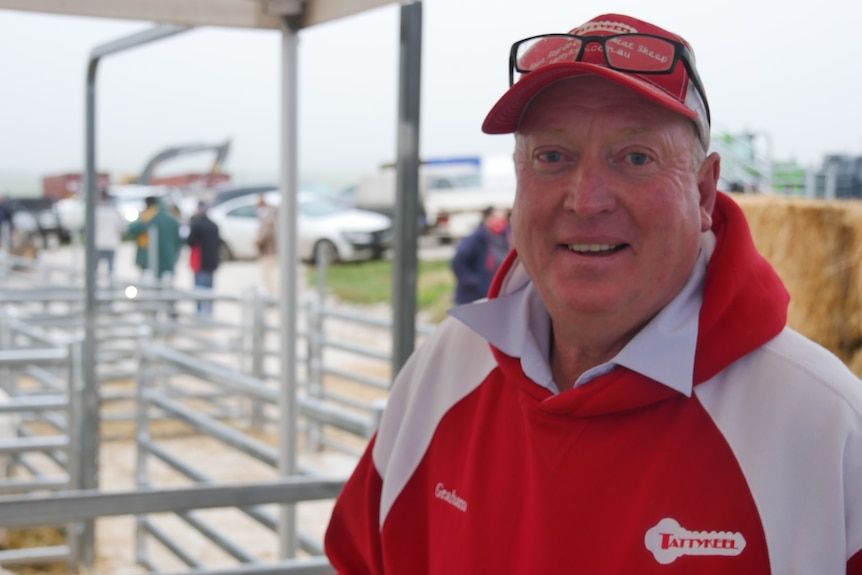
(205, 242)
(480, 254)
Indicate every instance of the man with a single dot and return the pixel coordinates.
(205, 243)
(642, 406)
(480, 254)
(7, 222)
(267, 244)
(110, 227)
(155, 224)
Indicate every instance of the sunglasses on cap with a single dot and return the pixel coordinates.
(633, 53)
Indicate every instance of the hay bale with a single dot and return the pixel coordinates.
(34, 537)
(855, 362)
(814, 245)
(853, 251)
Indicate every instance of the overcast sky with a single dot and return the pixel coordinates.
(789, 73)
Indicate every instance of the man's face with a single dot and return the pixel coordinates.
(610, 204)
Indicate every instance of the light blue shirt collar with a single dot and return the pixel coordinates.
(664, 350)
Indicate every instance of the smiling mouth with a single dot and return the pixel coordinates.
(595, 249)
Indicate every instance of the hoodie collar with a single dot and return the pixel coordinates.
(671, 333)
(706, 327)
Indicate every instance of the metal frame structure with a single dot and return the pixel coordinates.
(174, 351)
(265, 14)
(290, 16)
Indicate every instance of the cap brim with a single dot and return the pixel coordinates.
(506, 114)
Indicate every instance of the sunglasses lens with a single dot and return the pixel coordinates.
(626, 52)
(640, 53)
(537, 52)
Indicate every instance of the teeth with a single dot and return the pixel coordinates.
(585, 248)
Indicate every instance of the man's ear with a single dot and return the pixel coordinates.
(707, 185)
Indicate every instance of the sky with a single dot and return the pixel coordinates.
(787, 72)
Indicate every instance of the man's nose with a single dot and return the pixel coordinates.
(588, 191)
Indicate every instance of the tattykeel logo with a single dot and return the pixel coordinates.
(668, 541)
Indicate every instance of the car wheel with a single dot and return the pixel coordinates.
(224, 253)
(327, 249)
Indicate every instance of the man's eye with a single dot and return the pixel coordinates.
(551, 157)
(638, 158)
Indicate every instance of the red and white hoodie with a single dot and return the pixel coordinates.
(741, 454)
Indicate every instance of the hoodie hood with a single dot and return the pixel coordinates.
(744, 302)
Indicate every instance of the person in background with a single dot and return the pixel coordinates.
(267, 245)
(479, 255)
(6, 222)
(156, 224)
(110, 227)
(629, 399)
(205, 244)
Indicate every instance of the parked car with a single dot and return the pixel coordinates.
(453, 192)
(225, 193)
(129, 200)
(23, 238)
(37, 215)
(345, 234)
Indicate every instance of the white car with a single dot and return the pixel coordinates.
(130, 201)
(345, 234)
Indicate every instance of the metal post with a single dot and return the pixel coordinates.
(287, 259)
(89, 472)
(769, 168)
(405, 263)
(6, 340)
(153, 254)
(831, 179)
(5, 241)
(81, 442)
(314, 361)
(258, 355)
(142, 440)
(810, 182)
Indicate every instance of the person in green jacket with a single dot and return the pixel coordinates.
(156, 224)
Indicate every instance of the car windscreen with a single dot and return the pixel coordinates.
(243, 212)
(448, 182)
(317, 208)
(231, 193)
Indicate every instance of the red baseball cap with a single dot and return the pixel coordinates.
(549, 61)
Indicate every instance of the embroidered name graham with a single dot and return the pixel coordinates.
(450, 497)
